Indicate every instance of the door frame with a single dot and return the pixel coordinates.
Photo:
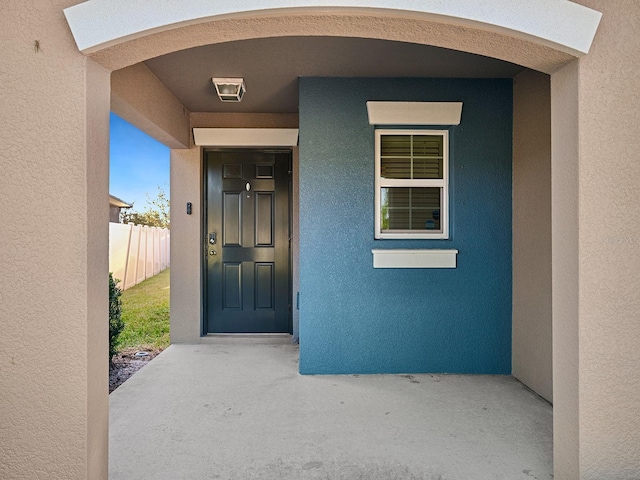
(204, 315)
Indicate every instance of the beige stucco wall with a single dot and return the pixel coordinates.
(96, 171)
(565, 273)
(53, 228)
(609, 241)
(186, 245)
(596, 324)
(532, 353)
(141, 99)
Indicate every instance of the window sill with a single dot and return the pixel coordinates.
(412, 235)
(414, 258)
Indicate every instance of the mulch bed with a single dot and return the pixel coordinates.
(126, 363)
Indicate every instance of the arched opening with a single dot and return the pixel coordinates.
(534, 54)
(271, 68)
(268, 97)
(54, 255)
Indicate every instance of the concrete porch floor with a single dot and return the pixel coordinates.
(236, 408)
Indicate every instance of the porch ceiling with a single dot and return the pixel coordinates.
(271, 67)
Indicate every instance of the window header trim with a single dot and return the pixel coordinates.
(414, 113)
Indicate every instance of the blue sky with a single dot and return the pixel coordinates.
(138, 164)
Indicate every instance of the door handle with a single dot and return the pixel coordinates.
(212, 252)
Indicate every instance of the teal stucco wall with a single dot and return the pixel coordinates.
(357, 319)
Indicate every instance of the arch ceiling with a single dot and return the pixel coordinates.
(538, 34)
(187, 73)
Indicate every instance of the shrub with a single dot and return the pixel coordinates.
(116, 325)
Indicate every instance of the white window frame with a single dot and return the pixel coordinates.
(443, 184)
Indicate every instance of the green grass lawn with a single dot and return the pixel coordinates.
(145, 311)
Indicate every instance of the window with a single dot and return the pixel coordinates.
(412, 184)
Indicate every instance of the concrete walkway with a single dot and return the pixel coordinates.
(237, 409)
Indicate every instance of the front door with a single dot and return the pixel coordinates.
(247, 241)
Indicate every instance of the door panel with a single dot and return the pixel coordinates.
(264, 219)
(247, 266)
(264, 286)
(232, 219)
(232, 286)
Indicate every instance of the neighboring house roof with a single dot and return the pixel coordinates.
(116, 202)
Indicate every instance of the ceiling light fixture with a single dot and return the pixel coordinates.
(230, 89)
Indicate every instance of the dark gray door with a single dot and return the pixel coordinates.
(247, 241)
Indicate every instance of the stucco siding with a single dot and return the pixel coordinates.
(532, 352)
(609, 257)
(53, 231)
(186, 246)
(356, 319)
(141, 99)
(565, 161)
(97, 303)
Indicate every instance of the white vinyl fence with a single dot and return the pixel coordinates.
(137, 252)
